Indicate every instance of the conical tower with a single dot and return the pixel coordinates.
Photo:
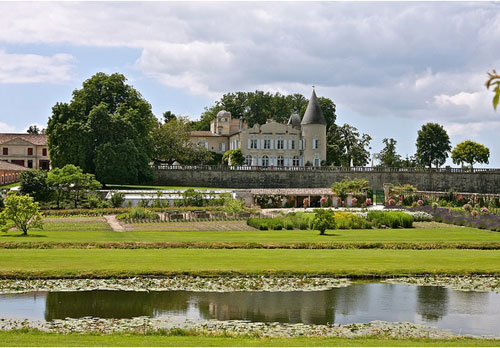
(314, 132)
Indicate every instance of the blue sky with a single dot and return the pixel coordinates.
(389, 67)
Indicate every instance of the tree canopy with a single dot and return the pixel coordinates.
(105, 129)
(433, 145)
(470, 152)
(388, 157)
(22, 211)
(347, 147)
(257, 107)
(172, 142)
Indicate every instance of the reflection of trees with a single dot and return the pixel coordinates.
(432, 302)
(112, 304)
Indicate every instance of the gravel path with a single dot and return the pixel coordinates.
(113, 223)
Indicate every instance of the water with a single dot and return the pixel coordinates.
(476, 313)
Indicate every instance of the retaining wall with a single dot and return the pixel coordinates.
(426, 180)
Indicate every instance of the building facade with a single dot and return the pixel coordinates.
(26, 150)
(297, 143)
(10, 172)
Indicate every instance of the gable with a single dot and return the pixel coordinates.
(18, 142)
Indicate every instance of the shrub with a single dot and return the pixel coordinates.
(117, 199)
(393, 219)
(323, 220)
(139, 213)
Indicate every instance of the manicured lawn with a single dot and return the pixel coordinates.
(111, 262)
(144, 187)
(17, 339)
(90, 229)
(14, 184)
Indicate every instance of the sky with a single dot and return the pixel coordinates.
(390, 67)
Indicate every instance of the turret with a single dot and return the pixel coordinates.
(314, 132)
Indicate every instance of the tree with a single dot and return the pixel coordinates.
(323, 220)
(168, 116)
(388, 157)
(470, 152)
(494, 80)
(33, 129)
(70, 182)
(172, 142)
(433, 145)
(234, 157)
(106, 113)
(34, 183)
(347, 147)
(23, 211)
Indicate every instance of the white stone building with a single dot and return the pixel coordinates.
(297, 143)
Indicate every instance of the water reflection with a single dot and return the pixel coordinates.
(463, 312)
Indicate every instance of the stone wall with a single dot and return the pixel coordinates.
(480, 182)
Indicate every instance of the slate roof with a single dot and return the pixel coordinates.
(204, 134)
(35, 139)
(294, 121)
(4, 165)
(313, 114)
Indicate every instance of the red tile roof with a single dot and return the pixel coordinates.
(4, 165)
(35, 139)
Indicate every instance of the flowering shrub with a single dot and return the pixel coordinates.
(354, 200)
(306, 202)
(474, 213)
(467, 207)
(392, 202)
(484, 210)
(323, 201)
(420, 202)
(368, 202)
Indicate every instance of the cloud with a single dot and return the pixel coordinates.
(424, 61)
(6, 128)
(33, 68)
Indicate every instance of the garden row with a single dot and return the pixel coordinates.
(341, 220)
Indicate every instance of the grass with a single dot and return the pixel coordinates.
(33, 338)
(6, 186)
(95, 229)
(145, 187)
(340, 262)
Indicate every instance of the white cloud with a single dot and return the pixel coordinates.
(471, 129)
(6, 128)
(33, 68)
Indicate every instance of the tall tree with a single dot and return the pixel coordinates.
(388, 157)
(172, 142)
(22, 211)
(168, 116)
(433, 145)
(106, 113)
(494, 81)
(347, 147)
(33, 129)
(470, 152)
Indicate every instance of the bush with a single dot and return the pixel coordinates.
(139, 213)
(392, 219)
(324, 219)
(117, 199)
(346, 220)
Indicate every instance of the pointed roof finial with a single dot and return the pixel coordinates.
(313, 114)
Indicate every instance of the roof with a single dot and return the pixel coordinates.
(35, 139)
(313, 114)
(4, 165)
(204, 134)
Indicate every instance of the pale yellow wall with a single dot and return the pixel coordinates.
(309, 133)
(18, 150)
(213, 143)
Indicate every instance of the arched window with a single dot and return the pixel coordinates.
(281, 161)
(265, 161)
(248, 160)
(296, 161)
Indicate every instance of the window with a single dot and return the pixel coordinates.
(222, 147)
(44, 151)
(30, 163)
(265, 160)
(317, 161)
(30, 151)
(315, 143)
(253, 143)
(248, 160)
(296, 161)
(267, 143)
(5, 151)
(292, 144)
(280, 144)
(281, 161)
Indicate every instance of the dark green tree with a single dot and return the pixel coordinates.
(433, 145)
(33, 129)
(234, 157)
(168, 116)
(105, 114)
(347, 147)
(470, 152)
(34, 183)
(388, 157)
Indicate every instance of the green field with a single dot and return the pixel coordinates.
(29, 339)
(6, 186)
(341, 262)
(83, 229)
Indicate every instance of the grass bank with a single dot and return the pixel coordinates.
(342, 262)
(33, 338)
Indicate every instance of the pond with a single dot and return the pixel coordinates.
(476, 313)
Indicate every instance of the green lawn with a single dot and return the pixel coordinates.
(6, 186)
(341, 262)
(90, 229)
(29, 339)
(145, 187)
